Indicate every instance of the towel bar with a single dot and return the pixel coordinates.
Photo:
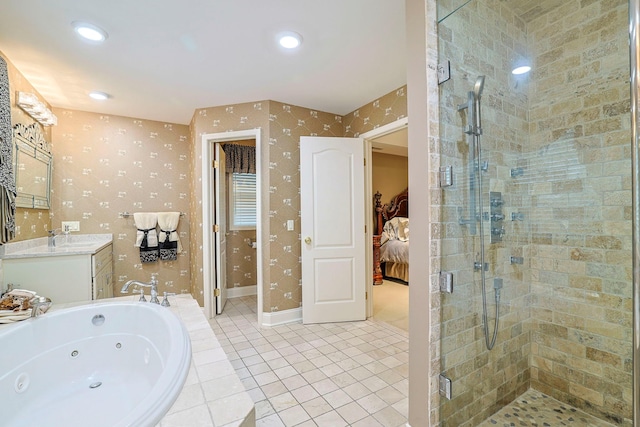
(127, 214)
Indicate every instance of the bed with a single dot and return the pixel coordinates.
(391, 241)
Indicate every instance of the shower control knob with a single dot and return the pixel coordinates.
(498, 231)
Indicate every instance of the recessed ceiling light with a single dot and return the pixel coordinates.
(523, 69)
(289, 39)
(100, 96)
(90, 32)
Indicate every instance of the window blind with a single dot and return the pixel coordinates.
(242, 201)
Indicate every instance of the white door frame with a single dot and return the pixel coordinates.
(368, 191)
(208, 242)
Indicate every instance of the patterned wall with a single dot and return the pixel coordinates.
(216, 120)
(282, 126)
(241, 259)
(107, 165)
(379, 112)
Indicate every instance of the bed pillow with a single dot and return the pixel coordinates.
(397, 229)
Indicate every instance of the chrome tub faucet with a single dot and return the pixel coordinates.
(153, 284)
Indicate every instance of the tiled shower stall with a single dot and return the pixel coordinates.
(553, 217)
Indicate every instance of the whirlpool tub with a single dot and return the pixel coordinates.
(106, 364)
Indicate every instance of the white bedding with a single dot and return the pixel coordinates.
(395, 241)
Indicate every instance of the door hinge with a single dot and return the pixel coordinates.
(366, 295)
(216, 228)
(365, 161)
(365, 229)
(215, 164)
(216, 292)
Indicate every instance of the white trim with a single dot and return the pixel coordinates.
(368, 136)
(207, 141)
(242, 291)
(385, 129)
(281, 317)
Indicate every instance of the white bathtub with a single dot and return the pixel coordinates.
(106, 364)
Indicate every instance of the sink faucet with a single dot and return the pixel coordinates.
(153, 284)
(51, 241)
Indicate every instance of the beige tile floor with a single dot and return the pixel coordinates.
(391, 304)
(335, 374)
(346, 374)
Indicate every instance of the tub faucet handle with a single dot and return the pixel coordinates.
(165, 301)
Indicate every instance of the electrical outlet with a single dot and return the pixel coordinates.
(73, 225)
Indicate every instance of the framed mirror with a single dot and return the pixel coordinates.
(33, 162)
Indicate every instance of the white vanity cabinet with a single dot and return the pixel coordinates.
(72, 277)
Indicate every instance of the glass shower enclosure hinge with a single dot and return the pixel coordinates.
(444, 71)
(446, 282)
(446, 176)
(516, 216)
(517, 260)
(477, 266)
(445, 386)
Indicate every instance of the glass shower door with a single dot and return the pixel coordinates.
(535, 206)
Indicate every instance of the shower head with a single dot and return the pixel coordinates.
(478, 87)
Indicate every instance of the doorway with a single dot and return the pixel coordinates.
(387, 155)
(213, 296)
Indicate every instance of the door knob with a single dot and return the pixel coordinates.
(307, 240)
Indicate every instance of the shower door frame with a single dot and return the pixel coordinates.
(634, 56)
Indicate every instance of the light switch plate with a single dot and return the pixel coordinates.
(290, 225)
(73, 225)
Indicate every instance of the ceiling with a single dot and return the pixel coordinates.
(161, 61)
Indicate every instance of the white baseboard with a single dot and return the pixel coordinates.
(242, 291)
(282, 317)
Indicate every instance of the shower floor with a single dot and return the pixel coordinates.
(533, 408)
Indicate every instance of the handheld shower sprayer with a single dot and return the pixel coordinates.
(477, 94)
(478, 87)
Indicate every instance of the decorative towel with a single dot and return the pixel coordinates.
(169, 239)
(147, 237)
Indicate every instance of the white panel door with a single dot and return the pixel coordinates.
(221, 234)
(333, 229)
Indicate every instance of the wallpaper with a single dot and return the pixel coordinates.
(281, 126)
(105, 166)
(379, 112)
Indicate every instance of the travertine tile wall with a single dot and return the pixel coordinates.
(106, 165)
(577, 179)
(476, 39)
(566, 125)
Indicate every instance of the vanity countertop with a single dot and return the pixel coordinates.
(72, 244)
